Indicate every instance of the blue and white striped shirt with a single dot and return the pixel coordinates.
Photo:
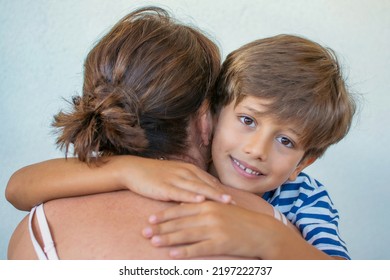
(306, 203)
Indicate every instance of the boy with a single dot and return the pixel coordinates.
(281, 102)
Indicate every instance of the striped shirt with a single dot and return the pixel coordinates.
(306, 203)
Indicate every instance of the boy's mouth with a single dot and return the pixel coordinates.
(250, 171)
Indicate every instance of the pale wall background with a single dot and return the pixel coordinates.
(43, 45)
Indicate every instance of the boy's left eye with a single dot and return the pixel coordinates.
(285, 141)
(247, 121)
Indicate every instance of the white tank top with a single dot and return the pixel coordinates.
(49, 251)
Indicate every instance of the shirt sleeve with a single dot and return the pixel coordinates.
(307, 204)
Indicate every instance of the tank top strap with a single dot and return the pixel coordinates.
(49, 252)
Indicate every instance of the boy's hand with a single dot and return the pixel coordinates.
(171, 181)
(207, 229)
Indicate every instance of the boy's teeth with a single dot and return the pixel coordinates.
(247, 170)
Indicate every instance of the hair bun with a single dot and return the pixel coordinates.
(104, 123)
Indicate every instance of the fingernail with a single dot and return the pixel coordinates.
(174, 253)
(199, 198)
(147, 232)
(153, 219)
(226, 198)
(156, 240)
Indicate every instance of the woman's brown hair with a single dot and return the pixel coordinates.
(143, 81)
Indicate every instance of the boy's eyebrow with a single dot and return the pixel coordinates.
(295, 132)
(253, 110)
(258, 113)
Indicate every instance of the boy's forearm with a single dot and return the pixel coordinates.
(299, 249)
(286, 244)
(279, 241)
(59, 178)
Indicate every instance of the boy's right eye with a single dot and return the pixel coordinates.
(247, 121)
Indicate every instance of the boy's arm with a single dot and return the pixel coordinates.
(212, 228)
(162, 180)
(57, 178)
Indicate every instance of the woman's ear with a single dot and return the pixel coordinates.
(205, 125)
(302, 165)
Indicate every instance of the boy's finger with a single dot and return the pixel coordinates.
(175, 225)
(202, 188)
(200, 249)
(183, 195)
(175, 212)
(180, 237)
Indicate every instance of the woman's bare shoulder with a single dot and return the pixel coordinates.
(20, 245)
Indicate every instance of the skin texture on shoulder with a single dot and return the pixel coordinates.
(20, 246)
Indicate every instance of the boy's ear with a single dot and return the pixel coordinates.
(302, 165)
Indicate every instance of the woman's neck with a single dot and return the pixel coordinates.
(197, 161)
(212, 170)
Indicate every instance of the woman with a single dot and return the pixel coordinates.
(146, 92)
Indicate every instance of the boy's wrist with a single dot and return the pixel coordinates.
(118, 171)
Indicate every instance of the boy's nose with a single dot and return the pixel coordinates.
(257, 146)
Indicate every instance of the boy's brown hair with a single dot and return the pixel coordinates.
(302, 81)
(143, 82)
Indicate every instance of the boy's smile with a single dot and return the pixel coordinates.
(253, 152)
(246, 169)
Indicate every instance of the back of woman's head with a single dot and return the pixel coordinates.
(143, 82)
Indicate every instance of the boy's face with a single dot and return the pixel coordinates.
(253, 152)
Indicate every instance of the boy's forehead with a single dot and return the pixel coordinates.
(253, 103)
